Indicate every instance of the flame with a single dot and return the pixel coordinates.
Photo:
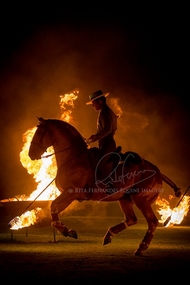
(177, 214)
(43, 170)
(27, 219)
(65, 101)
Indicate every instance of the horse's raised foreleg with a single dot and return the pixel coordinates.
(57, 206)
(130, 219)
(152, 225)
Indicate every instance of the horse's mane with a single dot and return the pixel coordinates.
(72, 131)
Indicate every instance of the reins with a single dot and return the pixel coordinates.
(53, 153)
(38, 143)
(48, 155)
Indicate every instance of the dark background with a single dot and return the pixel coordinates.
(141, 61)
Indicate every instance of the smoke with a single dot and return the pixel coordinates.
(55, 59)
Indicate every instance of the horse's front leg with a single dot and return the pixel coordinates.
(57, 206)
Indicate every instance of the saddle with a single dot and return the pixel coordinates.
(117, 157)
(130, 157)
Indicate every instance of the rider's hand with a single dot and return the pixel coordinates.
(91, 139)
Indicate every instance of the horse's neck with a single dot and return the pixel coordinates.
(62, 150)
(68, 146)
(69, 152)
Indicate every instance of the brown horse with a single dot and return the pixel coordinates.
(135, 180)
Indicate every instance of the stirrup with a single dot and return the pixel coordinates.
(110, 189)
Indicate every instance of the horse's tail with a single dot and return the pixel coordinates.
(172, 185)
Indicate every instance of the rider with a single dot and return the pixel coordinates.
(106, 128)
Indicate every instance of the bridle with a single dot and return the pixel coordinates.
(53, 153)
(38, 142)
(40, 145)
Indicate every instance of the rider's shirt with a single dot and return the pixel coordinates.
(106, 123)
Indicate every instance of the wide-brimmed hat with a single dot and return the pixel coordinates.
(96, 95)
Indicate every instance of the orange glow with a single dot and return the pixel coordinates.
(177, 214)
(43, 170)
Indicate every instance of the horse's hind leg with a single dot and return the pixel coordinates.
(152, 225)
(129, 220)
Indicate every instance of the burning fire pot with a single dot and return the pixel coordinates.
(38, 215)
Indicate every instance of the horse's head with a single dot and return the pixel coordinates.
(41, 140)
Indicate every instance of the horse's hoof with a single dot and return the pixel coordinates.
(106, 240)
(61, 228)
(72, 233)
(138, 252)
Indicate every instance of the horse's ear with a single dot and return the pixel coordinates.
(40, 119)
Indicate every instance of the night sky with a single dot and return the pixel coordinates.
(141, 62)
